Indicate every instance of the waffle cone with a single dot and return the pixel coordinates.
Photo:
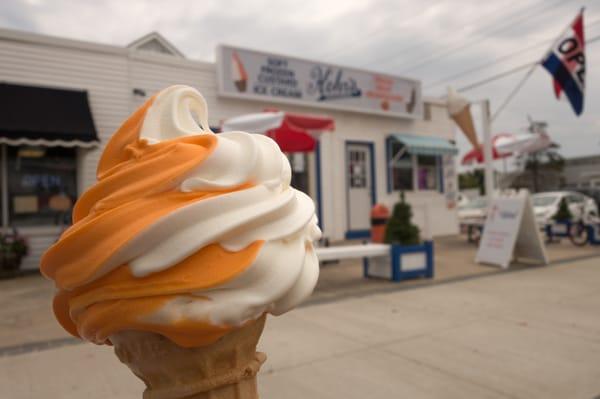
(225, 369)
(464, 120)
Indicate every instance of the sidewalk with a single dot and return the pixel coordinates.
(454, 261)
(533, 333)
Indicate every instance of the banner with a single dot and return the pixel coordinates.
(275, 78)
(566, 63)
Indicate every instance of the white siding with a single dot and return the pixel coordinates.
(110, 74)
(102, 74)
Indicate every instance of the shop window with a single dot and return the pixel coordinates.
(428, 172)
(42, 185)
(400, 167)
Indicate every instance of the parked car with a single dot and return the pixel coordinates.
(473, 212)
(545, 206)
(592, 192)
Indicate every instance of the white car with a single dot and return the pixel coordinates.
(545, 206)
(473, 212)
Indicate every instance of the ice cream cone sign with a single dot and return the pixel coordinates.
(238, 72)
(459, 110)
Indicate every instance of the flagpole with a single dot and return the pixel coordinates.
(514, 92)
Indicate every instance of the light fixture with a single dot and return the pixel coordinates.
(139, 92)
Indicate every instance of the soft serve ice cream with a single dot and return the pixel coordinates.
(187, 234)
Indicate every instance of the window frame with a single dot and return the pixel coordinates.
(5, 195)
(439, 170)
(390, 140)
(438, 173)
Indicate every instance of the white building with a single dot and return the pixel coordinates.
(386, 138)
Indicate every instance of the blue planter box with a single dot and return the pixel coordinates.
(559, 228)
(594, 234)
(404, 262)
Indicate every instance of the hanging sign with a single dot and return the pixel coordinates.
(268, 77)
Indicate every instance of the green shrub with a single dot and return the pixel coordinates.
(563, 212)
(399, 228)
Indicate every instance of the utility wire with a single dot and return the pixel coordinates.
(513, 92)
(495, 61)
(513, 70)
(385, 28)
(456, 49)
(380, 29)
(404, 50)
(497, 76)
(487, 64)
(530, 13)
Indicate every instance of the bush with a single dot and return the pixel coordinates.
(399, 228)
(563, 212)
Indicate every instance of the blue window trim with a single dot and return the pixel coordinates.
(319, 188)
(440, 167)
(353, 234)
(389, 141)
(356, 234)
(388, 156)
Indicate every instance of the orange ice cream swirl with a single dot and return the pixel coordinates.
(138, 184)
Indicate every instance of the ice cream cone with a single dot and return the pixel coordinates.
(224, 370)
(241, 84)
(464, 120)
(459, 110)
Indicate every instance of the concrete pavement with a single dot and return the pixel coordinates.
(533, 333)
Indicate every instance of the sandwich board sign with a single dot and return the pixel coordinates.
(511, 232)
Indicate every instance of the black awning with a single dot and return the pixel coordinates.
(44, 116)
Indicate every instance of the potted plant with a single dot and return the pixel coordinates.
(13, 248)
(409, 256)
(561, 221)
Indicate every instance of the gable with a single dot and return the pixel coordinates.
(155, 46)
(155, 43)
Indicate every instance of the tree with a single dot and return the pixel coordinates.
(399, 228)
(548, 159)
(473, 179)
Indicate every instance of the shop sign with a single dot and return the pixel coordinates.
(511, 232)
(275, 78)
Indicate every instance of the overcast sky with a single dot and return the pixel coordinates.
(425, 39)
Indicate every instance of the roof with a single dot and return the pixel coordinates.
(425, 145)
(155, 42)
(35, 115)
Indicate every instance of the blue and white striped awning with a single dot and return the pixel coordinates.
(425, 145)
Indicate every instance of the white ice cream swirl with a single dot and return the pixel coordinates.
(286, 269)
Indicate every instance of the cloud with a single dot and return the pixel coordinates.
(383, 35)
(15, 14)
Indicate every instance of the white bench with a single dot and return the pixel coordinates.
(352, 251)
(395, 262)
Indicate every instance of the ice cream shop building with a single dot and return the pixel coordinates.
(354, 137)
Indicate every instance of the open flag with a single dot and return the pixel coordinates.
(566, 63)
